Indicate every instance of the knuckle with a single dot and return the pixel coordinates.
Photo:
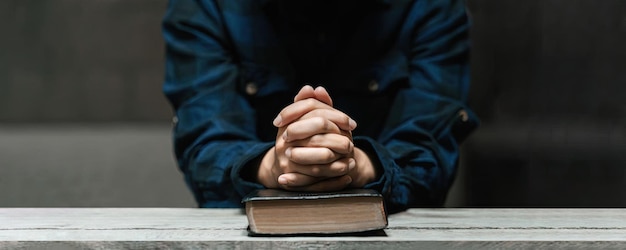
(315, 170)
(288, 130)
(310, 101)
(329, 155)
(347, 146)
(316, 140)
(346, 120)
(346, 168)
(326, 126)
(342, 169)
(321, 122)
(317, 112)
(283, 163)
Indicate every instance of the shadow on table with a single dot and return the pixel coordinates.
(373, 233)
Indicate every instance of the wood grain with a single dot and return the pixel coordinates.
(77, 228)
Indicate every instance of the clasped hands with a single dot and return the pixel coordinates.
(314, 150)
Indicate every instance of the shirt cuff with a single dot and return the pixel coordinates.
(248, 166)
(380, 158)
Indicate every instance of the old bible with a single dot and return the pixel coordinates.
(272, 211)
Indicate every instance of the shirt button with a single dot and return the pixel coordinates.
(251, 88)
(175, 120)
(372, 86)
(463, 115)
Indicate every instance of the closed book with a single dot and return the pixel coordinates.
(273, 211)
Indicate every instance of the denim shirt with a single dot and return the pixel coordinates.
(399, 68)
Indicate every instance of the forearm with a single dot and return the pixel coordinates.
(217, 172)
(417, 165)
(264, 174)
(410, 177)
(366, 170)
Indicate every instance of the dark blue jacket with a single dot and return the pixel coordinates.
(399, 68)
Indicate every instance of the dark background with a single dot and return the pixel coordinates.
(83, 121)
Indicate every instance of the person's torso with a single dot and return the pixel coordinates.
(356, 49)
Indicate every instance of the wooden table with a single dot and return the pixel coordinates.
(141, 228)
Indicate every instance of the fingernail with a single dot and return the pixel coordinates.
(288, 152)
(285, 136)
(277, 121)
(351, 164)
(348, 180)
(282, 180)
(352, 124)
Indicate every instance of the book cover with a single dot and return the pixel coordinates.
(273, 211)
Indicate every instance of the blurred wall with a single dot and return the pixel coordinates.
(82, 118)
(81, 60)
(84, 165)
(549, 81)
(83, 121)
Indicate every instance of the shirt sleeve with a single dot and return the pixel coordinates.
(214, 136)
(419, 147)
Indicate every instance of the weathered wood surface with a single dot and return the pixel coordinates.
(75, 228)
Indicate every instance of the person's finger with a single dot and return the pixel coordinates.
(312, 155)
(318, 93)
(306, 128)
(341, 119)
(314, 161)
(339, 143)
(296, 180)
(336, 168)
(305, 92)
(322, 95)
(297, 109)
(326, 185)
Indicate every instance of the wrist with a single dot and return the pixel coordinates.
(365, 171)
(264, 175)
